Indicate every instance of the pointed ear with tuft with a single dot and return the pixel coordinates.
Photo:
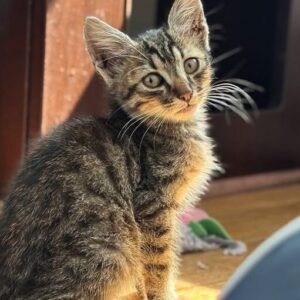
(187, 20)
(107, 47)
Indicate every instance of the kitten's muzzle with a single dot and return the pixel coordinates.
(184, 93)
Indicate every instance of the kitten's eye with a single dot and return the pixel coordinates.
(191, 65)
(152, 80)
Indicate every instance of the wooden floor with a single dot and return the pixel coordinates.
(248, 217)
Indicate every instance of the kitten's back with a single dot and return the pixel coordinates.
(66, 208)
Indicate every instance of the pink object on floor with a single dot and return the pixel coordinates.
(193, 214)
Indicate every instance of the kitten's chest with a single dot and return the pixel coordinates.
(189, 165)
(190, 168)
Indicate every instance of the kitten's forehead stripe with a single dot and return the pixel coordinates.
(159, 64)
(152, 49)
(171, 42)
(176, 53)
(160, 43)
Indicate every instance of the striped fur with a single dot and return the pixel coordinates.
(94, 208)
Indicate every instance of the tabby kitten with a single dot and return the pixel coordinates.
(95, 206)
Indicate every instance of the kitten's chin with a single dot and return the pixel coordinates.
(186, 114)
(188, 109)
(176, 112)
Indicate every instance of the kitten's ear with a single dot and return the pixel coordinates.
(187, 19)
(106, 46)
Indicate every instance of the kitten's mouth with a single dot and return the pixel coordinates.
(187, 109)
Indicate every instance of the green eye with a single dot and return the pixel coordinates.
(191, 65)
(152, 80)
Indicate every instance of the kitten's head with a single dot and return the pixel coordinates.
(164, 73)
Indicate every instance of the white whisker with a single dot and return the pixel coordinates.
(140, 145)
(215, 10)
(218, 107)
(144, 118)
(136, 128)
(132, 70)
(111, 114)
(242, 114)
(133, 119)
(245, 83)
(227, 55)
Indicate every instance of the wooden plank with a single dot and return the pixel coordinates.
(36, 69)
(13, 84)
(248, 183)
(70, 85)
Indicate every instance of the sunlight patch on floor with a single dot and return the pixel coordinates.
(189, 291)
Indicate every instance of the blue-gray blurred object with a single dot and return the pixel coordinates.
(272, 272)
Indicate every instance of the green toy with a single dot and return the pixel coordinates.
(201, 232)
(209, 226)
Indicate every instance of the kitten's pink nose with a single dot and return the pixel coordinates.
(184, 93)
(186, 96)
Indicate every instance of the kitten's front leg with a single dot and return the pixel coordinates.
(158, 255)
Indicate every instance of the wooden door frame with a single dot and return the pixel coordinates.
(36, 70)
(16, 88)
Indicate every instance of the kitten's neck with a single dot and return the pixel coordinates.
(126, 124)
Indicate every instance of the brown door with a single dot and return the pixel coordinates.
(45, 75)
(14, 28)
